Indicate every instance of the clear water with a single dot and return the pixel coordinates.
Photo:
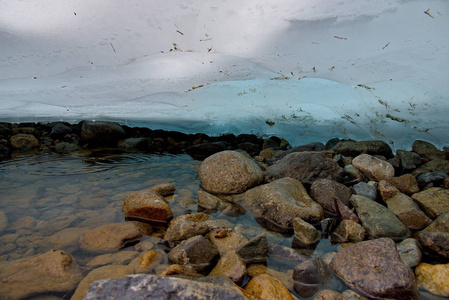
(43, 194)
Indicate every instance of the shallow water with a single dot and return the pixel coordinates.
(43, 194)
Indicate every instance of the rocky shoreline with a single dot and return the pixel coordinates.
(388, 212)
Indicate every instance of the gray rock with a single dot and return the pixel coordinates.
(427, 150)
(366, 190)
(378, 220)
(101, 133)
(229, 172)
(53, 271)
(255, 250)
(432, 166)
(409, 160)
(207, 201)
(373, 167)
(276, 204)
(433, 201)
(139, 143)
(196, 252)
(303, 148)
(59, 130)
(410, 252)
(375, 270)
(323, 191)
(286, 253)
(408, 212)
(145, 286)
(306, 167)
(352, 148)
(435, 178)
(310, 276)
(435, 237)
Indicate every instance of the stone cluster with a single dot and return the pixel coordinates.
(388, 212)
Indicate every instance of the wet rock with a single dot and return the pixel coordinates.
(286, 253)
(207, 201)
(344, 212)
(303, 148)
(59, 130)
(366, 190)
(410, 252)
(387, 190)
(310, 276)
(432, 166)
(5, 152)
(255, 250)
(110, 237)
(176, 269)
(434, 278)
(66, 147)
(353, 148)
(52, 226)
(408, 212)
(24, 142)
(329, 295)
(3, 221)
(101, 133)
(351, 295)
(53, 271)
(66, 239)
(119, 258)
(226, 239)
(354, 174)
(285, 278)
(105, 272)
(229, 172)
(196, 252)
(149, 205)
(305, 233)
(427, 150)
(378, 220)
(187, 226)
(323, 191)
(138, 143)
(373, 167)
(433, 201)
(435, 237)
(150, 286)
(435, 179)
(409, 160)
(406, 184)
(146, 261)
(374, 269)
(306, 167)
(265, 286)
(348, 231)
(201, 151)
(230, 265)
(276, 204)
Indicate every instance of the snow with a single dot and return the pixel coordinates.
(304, 70)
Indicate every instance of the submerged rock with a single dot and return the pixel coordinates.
(374, 269)
(53, 271)
(310, 276)
(229, 172)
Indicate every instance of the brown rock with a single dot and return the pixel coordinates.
(306, 167)
(187, 226)
(226, 240)
(109, 237)
(229, 172)
(3, 221)
(101, 133)
(146, 261)
(329, 295)
(427, 150)
(434, 278)
(305, 233)
(348, 231)
(232, 266)
(406, 184)
(431, 166)
(119, 258)
(323, 192)
(435, 237)
(53, 271)
(373, 167)
(207, 201)
(24, 142)
(266, 286)
(353, 148)
(408, 212)
(387, 190)
(374, 269)
(176, 269)
(433, 201)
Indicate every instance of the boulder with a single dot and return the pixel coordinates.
(434, 278)
(408, 212)
(110, 237)
(196, 252)
(375, 270)
(146, 286)
(406, 184)
(306, 167)
(265, 286)
(324, 190)
(378, 220)
(277, 203)
(432, 166)
(373, 167)
(353, 148)
(433, 201)
(59, 130)
(101, 133)
(53, 271)
(229, 172)
(427, 150)
(432, 179)
(409, 160)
